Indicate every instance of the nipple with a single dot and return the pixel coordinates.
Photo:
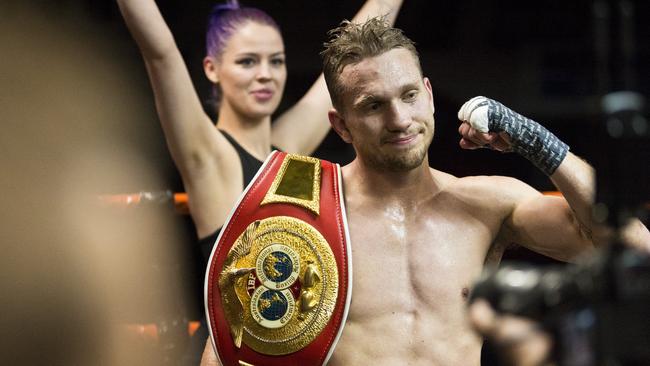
(465, 293)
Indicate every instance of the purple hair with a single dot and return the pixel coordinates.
(224, 20)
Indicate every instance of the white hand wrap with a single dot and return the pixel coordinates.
(529, 139)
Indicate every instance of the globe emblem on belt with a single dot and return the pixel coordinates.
(271, 308)
(277, 268)
(272, 304)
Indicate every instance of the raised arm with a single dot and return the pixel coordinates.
(302, 128)
(575, 178)
(559, 227)
(179, 108)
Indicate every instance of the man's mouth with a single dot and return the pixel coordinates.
(401, 140)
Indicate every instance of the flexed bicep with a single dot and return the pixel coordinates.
(548, 225)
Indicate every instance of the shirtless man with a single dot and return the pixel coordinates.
(420, 236)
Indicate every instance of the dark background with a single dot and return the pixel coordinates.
(540, 58)
(549, 60)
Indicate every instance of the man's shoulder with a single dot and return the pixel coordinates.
(488, 189)
(484, 183)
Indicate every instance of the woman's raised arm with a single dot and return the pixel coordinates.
(181, 114)
(302, 128)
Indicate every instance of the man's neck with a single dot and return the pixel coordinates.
(384, 184)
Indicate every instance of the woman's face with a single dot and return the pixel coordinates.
(252, 71)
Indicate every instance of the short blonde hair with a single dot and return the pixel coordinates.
(350, 43)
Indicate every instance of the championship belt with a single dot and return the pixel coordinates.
(278, 284)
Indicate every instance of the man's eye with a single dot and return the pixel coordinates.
(410, 96)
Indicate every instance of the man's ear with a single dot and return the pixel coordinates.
(338, 124)
(210, 69)
(427, 86)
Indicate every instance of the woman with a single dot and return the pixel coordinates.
(245, 61)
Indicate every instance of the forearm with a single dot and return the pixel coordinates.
(576, 180)
(373, 8)
(147, 27)
(307, 119)
(179, 108)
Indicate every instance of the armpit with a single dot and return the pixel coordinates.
(495, 253)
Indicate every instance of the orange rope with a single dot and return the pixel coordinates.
(150, 332)
(180, 203)
(178, 200)
(120, 199)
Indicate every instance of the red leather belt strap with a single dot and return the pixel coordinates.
(279, 278)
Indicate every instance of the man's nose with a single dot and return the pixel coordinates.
(399, 117)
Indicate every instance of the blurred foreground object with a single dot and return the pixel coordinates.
(596, 311)
(70, 267)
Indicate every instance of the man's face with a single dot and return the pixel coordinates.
(387, 111)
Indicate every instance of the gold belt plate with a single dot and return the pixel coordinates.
(279, 285)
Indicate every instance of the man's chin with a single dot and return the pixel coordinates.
(402, 163)
(402, 166)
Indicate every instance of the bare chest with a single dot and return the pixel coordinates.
(421, 262)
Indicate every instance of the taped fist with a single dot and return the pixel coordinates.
(488, 123)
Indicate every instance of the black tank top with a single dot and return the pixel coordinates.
(250, 165)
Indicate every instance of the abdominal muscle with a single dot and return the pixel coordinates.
(408, 336)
